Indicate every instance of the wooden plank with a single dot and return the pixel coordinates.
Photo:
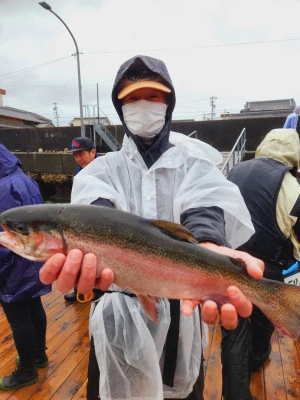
(81, 393)
(257, 385)
(273, 374)
(65, 355)
(54, 295)
(71, 387)
(59, 370)
(213, 376)
(290, 367)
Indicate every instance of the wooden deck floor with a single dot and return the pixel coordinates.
(68, 347)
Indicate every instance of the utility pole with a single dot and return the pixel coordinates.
(48, 8)
(98, 105)
(212, 104)
(55, 109)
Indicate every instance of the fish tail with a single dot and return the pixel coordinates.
(282, 307)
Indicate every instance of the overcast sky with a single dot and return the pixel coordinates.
(233, 50)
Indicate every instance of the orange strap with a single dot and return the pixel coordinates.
(85, 298)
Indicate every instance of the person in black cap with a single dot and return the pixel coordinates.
(157, 174)
(84, 152)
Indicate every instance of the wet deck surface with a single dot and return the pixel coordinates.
(68, 347)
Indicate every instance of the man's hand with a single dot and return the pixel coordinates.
(75, 269)
(239, 305)
(79, 270)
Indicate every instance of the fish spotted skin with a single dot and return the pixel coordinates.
(148, 257)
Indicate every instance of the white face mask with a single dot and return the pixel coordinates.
(144, 118)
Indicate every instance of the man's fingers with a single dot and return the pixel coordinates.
(228, 316)
(239, 301)
(75, 269)
(51, 269)
(254, 266)
(87, 276)
(209, 312)
(255, 269)
(68, 276)
(188, 306)
(105, 280)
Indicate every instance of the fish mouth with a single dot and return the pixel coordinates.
(12, 240)
(36, 246)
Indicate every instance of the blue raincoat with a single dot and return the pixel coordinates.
(19, 278)
(292, 119)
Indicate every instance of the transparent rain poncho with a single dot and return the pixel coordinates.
(129, 347)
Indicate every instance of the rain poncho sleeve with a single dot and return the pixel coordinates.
(129, 347)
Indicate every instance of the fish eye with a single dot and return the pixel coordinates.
(21, 228)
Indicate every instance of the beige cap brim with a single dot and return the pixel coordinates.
(140, 85)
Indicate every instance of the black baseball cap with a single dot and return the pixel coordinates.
(81, 143)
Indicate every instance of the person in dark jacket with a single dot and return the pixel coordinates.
(84, 152)
(157, 174)
(272, 195)
(20, 286)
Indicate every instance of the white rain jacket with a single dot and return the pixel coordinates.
(159, 183)
(129, 347)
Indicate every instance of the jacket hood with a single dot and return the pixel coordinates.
(282, 145)
(297, 109)
(8, 162)
(161, 141)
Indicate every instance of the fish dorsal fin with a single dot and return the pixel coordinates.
(174, 230)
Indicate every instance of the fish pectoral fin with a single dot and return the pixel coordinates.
(176, 231)
(148, 305)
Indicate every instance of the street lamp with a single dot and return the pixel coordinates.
(48, 8)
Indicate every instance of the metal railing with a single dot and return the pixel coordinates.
(237, 153)
(108, 138)
(194, 133)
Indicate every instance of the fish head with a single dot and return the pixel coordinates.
(34, 239)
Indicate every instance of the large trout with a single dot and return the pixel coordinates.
(149, 257)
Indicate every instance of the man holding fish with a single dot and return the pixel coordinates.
(159, 175)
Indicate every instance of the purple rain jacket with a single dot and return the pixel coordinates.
(19, 277)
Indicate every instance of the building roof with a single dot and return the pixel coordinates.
(269, 105)
(76, 121)
(265, 108)
(22, 115)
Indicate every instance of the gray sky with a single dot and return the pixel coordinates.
(233, 50)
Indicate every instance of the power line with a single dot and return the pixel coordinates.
(47, 86)
(21, 71)
(205, 46)
(17, 72)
